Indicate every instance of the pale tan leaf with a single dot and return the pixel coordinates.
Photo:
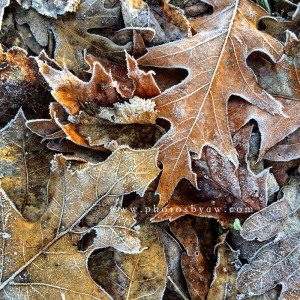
(51, 8)
(277, 262)
(118, 230)
(24, 167)
(73, 191)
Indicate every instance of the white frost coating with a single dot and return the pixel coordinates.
(138, 111)
(117, 230)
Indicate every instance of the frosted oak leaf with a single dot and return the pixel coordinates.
(197, 107)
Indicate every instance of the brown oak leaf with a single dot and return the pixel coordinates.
(195, 265)
(224, 192)
(279, 78)
(92, 123)
(131, 81)
(197, 106)
(273, 128)
(277, 262)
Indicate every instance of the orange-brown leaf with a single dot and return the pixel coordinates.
(216, 60)
(73, 94)
(223, 192)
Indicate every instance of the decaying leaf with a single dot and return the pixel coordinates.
(196, 107)
(24, 167)
(273, 128)
(286, 150)
(118, 230)
(73, 93)
(278, 261)
(277, 27)
(73, 151)
(132, 276)
(72, 35)
(173, 253)
(97, 132)
(49, 8)
(280, 78)
(223, 285)
(167, 20)
(223, 192)
(195, 265)
(21, 85)
(104, 88)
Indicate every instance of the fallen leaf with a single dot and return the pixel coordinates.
(195, 265)
(196, 107)
(131, 124)
(109, 81)
(277, 27)
(48, 128)
(223, 285)
(278, 261)
(51, 9)
(57, 270)
(72, 193)
(21, 85)
(279, 78)
(24, 167)
(71, 32)
(223, 192)
(173, 253)
(73, 151)
(273, 128)
(74, 94)
(286, 150)
(92, 122)
(118, 230)
(97, 133)
(131, 81)
(167, 20)
(131, 276)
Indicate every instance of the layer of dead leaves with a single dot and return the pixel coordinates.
(149, 150)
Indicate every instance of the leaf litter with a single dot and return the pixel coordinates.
(149, 149)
